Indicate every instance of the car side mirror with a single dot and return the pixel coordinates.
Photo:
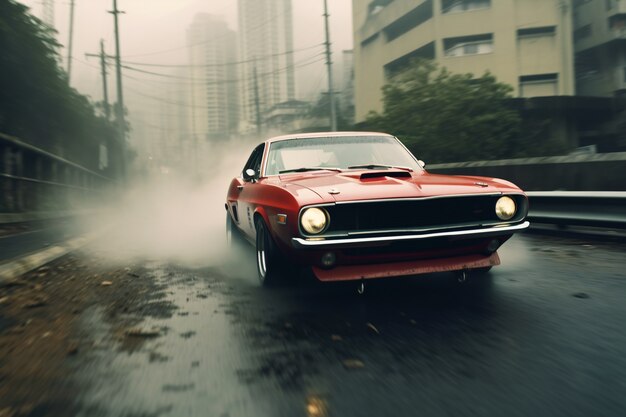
(421, 163)
(249, 174)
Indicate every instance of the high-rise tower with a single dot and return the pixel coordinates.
(212, 78)
(266, 53)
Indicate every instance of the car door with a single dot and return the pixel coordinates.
(248, 189)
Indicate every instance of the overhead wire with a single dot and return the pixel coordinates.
(182, 104)
(212, 80)
(223, 64)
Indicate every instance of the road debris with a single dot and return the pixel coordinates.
(336, 338)
(35, 302)
(581, 295)
(353, 364)
(72, 349)
(147, 333)
(106, 283)
(372, 327)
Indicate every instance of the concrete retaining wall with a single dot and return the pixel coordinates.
(597, 172)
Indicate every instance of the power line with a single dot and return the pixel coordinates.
(182, 104)
(247, 61)
(212, 81)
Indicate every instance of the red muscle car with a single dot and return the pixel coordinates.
(355, 205)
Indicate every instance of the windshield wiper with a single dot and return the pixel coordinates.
(305, 169)
(377, 166)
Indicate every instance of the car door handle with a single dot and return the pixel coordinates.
(240, 187)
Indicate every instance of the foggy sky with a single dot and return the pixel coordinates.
(150, 27)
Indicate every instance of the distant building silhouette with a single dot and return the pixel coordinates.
(265, 43)
(212, 77)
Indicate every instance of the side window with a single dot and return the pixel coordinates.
(254, 162)
(257, 161)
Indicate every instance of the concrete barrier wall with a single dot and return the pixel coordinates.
(596, 172)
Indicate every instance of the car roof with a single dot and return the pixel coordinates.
(324, 135)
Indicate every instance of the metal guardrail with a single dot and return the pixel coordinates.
(578, 208)
(33, 180)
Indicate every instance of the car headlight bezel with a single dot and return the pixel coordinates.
(506, 208)
(314, 225)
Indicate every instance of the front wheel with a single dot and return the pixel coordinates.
(268, 265)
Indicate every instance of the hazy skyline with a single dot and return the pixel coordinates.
(156, 34)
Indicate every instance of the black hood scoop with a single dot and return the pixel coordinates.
(382, 174)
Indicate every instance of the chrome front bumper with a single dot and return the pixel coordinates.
(300, 243)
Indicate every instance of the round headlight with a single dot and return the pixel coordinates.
(314, 220)
(505, 208)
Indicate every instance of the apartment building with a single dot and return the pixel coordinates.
(212, 78)
(524, 43)
(600, 46)
(267, 71)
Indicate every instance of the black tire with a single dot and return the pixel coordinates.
(268, 263)
(482, 271)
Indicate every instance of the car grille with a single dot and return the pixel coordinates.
(415, 214)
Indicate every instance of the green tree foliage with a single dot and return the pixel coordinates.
(36, 102)
(321, 110)
(445, 117)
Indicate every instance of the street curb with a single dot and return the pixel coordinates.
(27, 263)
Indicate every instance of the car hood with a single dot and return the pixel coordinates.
(367, 185)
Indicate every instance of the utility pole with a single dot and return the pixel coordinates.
(257, 105)
(121, 122)
(105, 88)
(70, 42)
(329, 65)
(103, 70)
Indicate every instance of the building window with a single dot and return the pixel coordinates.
(399, 65)
(376, 6)
(540, 31)
(582, 33)
(453, 6)
(468, 45)
(369, 40)
(617, 26)
(610, 4)
(412, 19)
(540, 85)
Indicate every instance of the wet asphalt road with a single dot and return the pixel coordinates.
(543, 335)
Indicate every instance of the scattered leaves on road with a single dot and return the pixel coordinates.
(139, 332)
(373, 328)
(353, 364)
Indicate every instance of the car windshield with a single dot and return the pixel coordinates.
(344, 152)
